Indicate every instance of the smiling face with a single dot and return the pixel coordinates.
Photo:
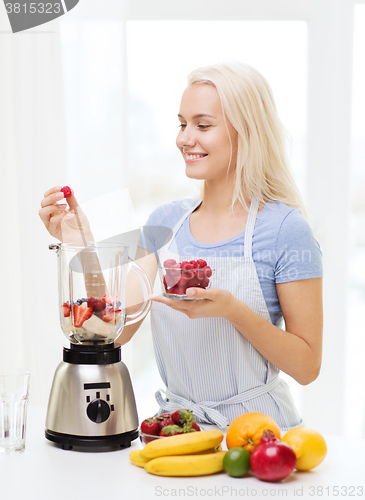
(208, 148)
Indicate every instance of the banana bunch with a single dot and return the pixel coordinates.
(195, 454)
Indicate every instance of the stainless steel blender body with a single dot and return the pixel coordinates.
(92, 405)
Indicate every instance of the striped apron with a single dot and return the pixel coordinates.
(207, 365)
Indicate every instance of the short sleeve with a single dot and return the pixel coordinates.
(154, 236)
(146, 239)
(297, 251)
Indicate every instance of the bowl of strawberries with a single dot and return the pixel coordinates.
(168, 424)
(177, 277)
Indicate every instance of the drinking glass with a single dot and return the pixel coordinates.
(14, 394)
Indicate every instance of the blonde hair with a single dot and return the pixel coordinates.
(262, 168)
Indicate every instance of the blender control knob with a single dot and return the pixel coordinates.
(98, 411)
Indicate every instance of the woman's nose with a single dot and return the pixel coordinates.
(185, 138)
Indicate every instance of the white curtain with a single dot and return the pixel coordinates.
(33, 153)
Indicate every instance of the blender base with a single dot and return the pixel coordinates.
(92, 443)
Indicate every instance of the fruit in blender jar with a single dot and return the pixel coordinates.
(67, 191)
(151, 426)
(179, 277)
(272, 459)
(108, 313)
(107, 299)
(97, 325)
(92, 315)
(66, 309)
(81, 314)
(80, 301)
(96, 304)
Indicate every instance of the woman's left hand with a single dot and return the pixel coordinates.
(216, 302)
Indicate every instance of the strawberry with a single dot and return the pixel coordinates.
(96, 304)
(81, 314)
(107, 314)
(165, 419)
(180, 417)
(107, 299)
(66, 310)
(150, 426)
(171, 430)
(191, 427)
(67, 191)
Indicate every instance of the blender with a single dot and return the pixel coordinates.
(92, 403)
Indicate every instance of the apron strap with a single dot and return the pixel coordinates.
(206, 408)
(177, 226)
(251, 220)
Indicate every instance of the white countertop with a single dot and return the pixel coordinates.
(46, 472)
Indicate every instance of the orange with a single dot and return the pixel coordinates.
(308, 445)
(246, 430)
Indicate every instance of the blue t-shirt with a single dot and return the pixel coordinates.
(283, 245)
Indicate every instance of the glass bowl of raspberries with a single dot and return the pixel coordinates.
(168, 424)
(177, 277)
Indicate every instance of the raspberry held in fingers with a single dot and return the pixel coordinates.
(66, 191)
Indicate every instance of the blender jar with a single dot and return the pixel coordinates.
(92, 287)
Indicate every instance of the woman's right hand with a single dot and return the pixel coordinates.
(66, 221)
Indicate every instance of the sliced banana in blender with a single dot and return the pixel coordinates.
(97, 326)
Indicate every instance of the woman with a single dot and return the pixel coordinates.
(222, 356)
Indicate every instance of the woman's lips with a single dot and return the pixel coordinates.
(192, 158)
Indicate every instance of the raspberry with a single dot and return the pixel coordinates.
(188, 271)
(204, 283)
(194, 282)
(66, 191)
(201, 263)
(208, 271)
(171, 280)
(96, 304)
(169, 263)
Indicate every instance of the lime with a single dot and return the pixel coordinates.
(236, 462)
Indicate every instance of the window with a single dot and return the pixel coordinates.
(355, 402)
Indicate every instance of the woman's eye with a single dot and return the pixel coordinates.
(203, 127)
(182, 125)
